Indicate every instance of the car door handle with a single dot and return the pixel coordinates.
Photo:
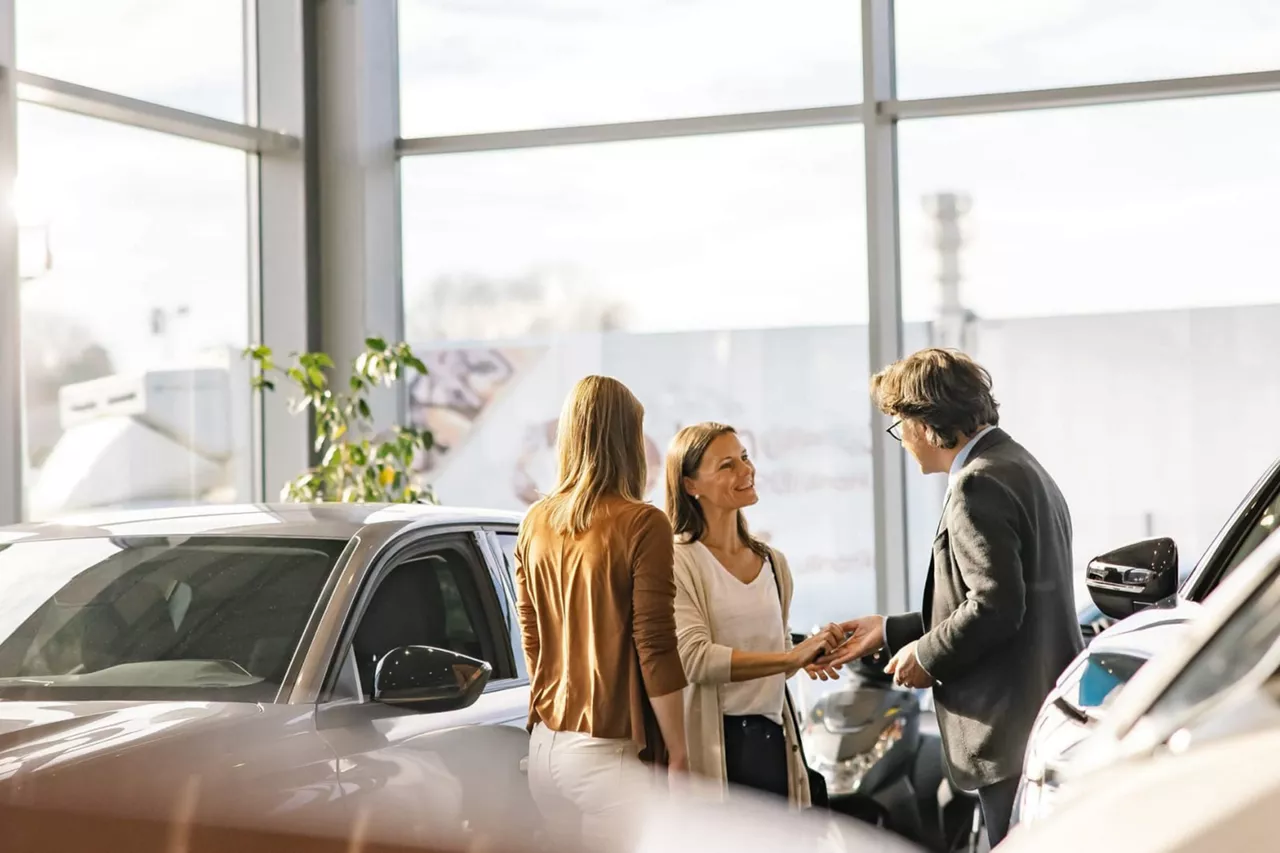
(524, 765)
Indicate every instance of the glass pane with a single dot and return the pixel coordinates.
(1245, 640)
(135, 305)
(721, 278)
(677, 234)
(949, 48)
(1116, 269)
(188, 54)
(1266, 525)
(507, 541)
(516, 64)
(215, 619)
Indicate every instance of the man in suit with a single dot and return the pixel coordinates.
(998, 624)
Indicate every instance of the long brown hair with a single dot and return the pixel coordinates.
(599, 449)
(683, 459)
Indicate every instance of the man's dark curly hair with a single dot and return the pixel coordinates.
(944, 389)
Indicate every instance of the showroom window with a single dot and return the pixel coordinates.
(721, 277)
(188, 54)
(520, 64)
(136, 252)
(134, 317)
(946, 48)
(1116, 269)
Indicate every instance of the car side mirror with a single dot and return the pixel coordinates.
(1129, 579)
(430, 680)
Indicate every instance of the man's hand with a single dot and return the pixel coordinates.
(906, 669)
(865, 636)
(824, 641)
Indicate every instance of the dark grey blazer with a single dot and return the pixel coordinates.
(999, 623)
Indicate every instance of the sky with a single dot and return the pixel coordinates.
(1101, 209)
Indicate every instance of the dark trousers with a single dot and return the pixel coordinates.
(755, 754)
(997, 808)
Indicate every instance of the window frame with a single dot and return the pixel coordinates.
(1216, 563)
(505, 577)
(470, 544)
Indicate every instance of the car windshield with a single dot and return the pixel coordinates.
(1247, 641)
(158, 618)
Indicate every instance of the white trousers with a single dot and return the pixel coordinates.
(584, 786)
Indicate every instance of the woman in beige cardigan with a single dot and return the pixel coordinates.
(733, 597)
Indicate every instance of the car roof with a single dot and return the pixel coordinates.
(295, 520)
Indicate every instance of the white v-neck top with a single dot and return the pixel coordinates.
(748, 617)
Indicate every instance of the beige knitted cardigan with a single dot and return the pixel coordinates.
(706, 665)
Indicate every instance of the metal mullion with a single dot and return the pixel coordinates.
(284, 303)
(109, 106)
(1084, 96)
(884, 299)
(13, 410)
(632, 131)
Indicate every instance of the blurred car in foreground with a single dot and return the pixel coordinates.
(1140, 586)
(297, 677)
(1183, 761)
(297, 668)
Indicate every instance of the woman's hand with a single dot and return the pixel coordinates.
(823, 642)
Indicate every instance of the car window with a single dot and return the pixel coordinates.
(1244, 641)
(156, 617)
(429, 600)
(1265, 525)
(507, 541)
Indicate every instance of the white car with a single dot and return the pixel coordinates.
(1185, 759)
(1141, 586)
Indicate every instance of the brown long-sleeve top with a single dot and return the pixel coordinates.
(597, 613)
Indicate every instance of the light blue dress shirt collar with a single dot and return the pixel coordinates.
(963, 456)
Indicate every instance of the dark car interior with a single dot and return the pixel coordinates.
(428, 600)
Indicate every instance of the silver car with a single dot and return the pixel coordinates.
(296, 668)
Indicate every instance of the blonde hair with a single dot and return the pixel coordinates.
(684, 457)
(600, 452)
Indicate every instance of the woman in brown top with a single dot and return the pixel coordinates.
(596, 601)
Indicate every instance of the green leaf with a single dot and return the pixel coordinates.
(376, 344)
(365, 411)
(316, 377)
(331, 454)
(322, 359)
(416, 364)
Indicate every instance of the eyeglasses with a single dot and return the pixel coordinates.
(895, 430)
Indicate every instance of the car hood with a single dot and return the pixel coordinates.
(1216, 797)
(1146, 633)
(134, 757)
(1059, 731)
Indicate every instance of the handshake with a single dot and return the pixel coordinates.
(827, 651)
